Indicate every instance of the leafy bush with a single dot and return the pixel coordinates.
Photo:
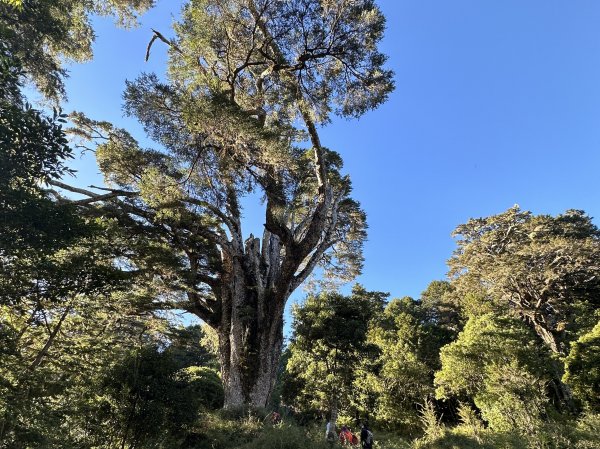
(205, 384)
(286, 436)
(512, 399)
(582, 368)
(583, 433)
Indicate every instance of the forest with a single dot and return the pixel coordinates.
(98, 284)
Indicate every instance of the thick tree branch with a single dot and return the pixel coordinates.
(220, 240)
(202, 310)
(228, 221)
(326, 243)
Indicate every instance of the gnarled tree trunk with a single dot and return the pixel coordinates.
(249, 356)
(253, 295)
(552, 339)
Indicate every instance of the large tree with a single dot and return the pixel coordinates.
(251, 82)
(543, 269)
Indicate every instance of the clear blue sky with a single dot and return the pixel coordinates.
(497, 103)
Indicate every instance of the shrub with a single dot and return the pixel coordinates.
(582, 368)
(286, 436)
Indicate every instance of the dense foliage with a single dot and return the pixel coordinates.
(45, 33)
(474, 362)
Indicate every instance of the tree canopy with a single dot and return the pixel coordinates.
(42, 34)
(543, 269)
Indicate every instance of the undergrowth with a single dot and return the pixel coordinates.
(243, 429)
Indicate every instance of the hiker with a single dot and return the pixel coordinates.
(366, 437)
(330, 432)
(346, 436)
(275, 418)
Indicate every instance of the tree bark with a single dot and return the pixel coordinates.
(334, 413)
(541, 328)
(250, 328)
(249, 370)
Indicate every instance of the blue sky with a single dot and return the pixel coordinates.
(497, 103)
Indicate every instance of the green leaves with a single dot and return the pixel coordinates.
(268, 55)
(542, 268)
(582, 368)
(33, 145)
(45, 33)
(486, 342)
(14, 3)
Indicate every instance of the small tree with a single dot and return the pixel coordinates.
(404, 377)
(329, 341)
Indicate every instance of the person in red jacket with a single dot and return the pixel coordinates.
(275, 418)
(345, 436)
